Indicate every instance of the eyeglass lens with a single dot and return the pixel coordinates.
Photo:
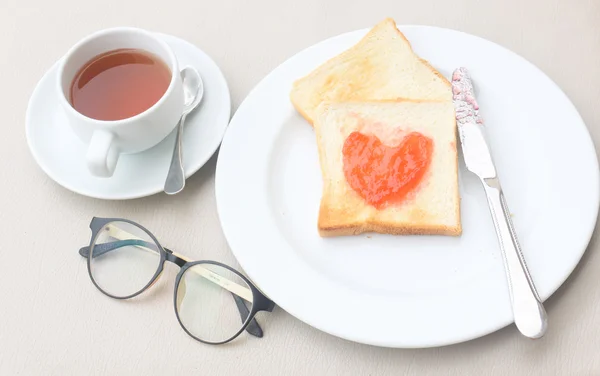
(212, 302)
(123, 259)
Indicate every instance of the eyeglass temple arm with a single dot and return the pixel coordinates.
(100, 249)
(252, 328)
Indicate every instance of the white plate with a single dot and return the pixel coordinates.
(62, 155)
(409, 291)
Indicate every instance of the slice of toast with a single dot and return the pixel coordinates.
(382, 66)
(430, 207)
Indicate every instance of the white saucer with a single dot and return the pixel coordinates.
(62, 155)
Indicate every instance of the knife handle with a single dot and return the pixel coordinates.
(529, 313)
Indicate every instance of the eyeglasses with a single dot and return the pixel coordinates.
(213, 302)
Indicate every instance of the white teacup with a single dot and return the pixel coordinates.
(108, 139)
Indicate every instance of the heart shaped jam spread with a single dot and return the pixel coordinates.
(382, 174)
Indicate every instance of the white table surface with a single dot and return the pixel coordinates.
(53, 321)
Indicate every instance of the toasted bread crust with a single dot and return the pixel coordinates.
(301, 112)
(436, 72)
(458, 229)
(416, 229)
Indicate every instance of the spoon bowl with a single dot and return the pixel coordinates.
(193, 89)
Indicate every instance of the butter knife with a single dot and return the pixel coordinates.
(529, 313)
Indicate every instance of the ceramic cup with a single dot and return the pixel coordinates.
(107, 140)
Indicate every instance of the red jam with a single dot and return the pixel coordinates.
(382, 174)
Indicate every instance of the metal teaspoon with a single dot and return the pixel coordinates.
(193, 90)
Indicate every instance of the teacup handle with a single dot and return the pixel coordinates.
(102, 155)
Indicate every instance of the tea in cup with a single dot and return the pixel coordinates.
(122, 92)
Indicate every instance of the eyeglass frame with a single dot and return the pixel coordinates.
(260, 302)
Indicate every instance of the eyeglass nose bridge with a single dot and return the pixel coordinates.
(175, 259)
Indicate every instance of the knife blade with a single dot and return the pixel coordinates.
(528, 311)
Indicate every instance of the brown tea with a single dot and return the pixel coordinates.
(119, 84)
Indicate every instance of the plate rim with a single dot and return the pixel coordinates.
(595, 179)
(190, 169)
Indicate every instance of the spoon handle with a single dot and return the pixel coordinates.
(176, 177)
